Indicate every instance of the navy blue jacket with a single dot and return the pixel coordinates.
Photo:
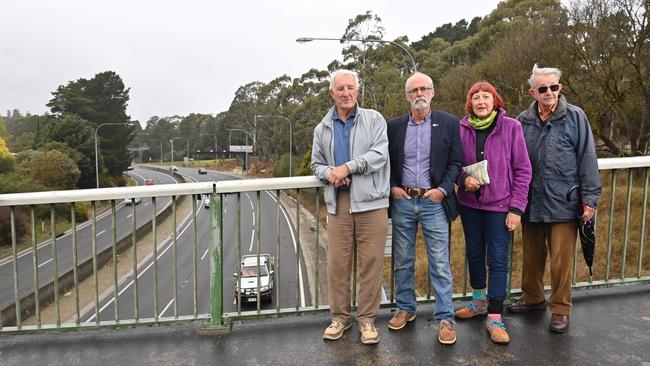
(446, 154)
(562, 155)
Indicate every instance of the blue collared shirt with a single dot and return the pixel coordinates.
(417, 150)
(342, 139)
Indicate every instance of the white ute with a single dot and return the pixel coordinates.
(248, 271)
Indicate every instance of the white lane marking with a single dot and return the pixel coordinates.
(129, 216)
(204, 254)
(100, 233)
(141, 273)
(252, 240)
(253, 216)
(295, 249)
(44, 263)
(146, 203)
(166, 307)
(250, 201)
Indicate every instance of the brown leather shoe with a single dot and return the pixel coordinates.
(521, 306)
(559, 323)
(446, 332)
(400, 319)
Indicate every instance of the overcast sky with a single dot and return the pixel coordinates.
(180, 57)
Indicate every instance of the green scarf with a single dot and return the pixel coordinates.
(482, 124)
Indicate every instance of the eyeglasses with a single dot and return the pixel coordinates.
(543, 89)
(422, 89)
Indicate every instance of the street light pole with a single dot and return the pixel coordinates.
(362, 40)
(290, 137)
(172, 157)
(97, 146)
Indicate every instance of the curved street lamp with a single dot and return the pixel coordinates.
(362, 40)
(97, 148)
(290, 137)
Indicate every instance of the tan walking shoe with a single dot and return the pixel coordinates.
(400, 319)
(497, 330)
(471, 309)
(369, 334)
(446, 332)
(335, 330)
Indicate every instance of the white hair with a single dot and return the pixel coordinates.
(343, 72)
(538, 71)
(406, 85)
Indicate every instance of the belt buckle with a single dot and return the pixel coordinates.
(415, 191)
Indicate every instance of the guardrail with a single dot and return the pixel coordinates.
(81, 268)
(200, 289)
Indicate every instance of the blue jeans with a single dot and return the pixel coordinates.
(486, 234)
(406, 214)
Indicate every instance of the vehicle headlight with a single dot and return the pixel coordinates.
(264, 288)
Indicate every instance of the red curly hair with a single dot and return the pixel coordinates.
(483, 86)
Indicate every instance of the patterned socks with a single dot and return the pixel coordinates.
(478, 295)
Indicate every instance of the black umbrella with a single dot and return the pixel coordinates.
(586, 231)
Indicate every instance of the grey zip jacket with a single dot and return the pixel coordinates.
(369, 165)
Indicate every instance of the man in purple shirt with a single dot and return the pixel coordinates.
(425, 158)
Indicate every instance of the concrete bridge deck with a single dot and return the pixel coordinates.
(608, 327)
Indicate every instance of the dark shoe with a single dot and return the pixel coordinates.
(520, 306)
(400, 319)
(559, 323)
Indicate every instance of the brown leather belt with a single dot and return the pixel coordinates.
(417, 192)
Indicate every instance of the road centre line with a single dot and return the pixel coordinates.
(44, 263)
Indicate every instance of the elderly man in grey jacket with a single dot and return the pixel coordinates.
(350, 156)
(562, 154)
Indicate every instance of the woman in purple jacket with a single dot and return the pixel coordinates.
(490, 211)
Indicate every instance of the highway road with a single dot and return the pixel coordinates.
(182, 301)
(64, 248)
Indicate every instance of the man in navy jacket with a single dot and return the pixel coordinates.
(562, 154)
(425, 158)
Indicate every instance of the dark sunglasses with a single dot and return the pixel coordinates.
(543, 89)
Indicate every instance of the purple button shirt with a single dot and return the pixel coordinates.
(417, 148)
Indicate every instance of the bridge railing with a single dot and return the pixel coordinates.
(150, 274)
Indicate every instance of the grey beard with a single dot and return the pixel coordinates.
(419, 105)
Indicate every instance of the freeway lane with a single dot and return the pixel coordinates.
(166, 304)
(84, 248)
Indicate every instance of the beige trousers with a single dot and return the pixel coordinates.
(368, 229)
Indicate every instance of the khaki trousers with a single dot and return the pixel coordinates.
(540, 239)
(368, 229)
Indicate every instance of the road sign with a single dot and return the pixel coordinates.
(241, 148)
